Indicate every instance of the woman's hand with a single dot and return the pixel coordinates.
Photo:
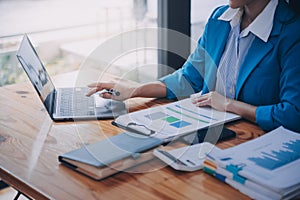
(128, 90)
(221, 103)
(122, 92)
(212, 99)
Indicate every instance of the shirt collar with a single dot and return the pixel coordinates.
(266, 17)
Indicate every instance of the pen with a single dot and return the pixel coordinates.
(113, 92)
(189, 161)
(196, 95)
(171, 157)
(110, 91)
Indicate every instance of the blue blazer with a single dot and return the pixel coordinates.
(268, 78)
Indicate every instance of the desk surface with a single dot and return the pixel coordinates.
(30, 144)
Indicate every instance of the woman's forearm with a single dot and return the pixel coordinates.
(219, 102)
(245, 110)
(152, 90)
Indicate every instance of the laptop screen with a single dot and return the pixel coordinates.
(36, 71)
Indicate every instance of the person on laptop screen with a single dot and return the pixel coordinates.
(255, 48)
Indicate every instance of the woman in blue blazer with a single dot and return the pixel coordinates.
(266, 85)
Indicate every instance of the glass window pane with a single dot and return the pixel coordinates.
(64, 32)
(200, 12)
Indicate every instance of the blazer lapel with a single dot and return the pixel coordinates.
(257, 51)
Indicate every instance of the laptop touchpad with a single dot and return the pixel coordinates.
(109, 106)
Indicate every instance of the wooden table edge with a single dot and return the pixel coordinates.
(21, 186)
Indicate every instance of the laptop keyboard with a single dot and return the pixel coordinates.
(73, 102)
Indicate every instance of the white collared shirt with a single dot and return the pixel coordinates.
(238, 44)
(261, 27)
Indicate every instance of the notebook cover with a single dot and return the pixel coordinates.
(112, 149)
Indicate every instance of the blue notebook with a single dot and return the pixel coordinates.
(112, 149)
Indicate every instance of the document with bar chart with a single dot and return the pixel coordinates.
(272, 161)
(173, 120)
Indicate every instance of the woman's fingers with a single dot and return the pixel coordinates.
(201, 98)
(106, 95)
(204, 102)
(92, 91)
(96, 87)
(212, 99)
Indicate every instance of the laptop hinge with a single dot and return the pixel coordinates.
(50, 102)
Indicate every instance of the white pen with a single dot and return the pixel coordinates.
(196, 95)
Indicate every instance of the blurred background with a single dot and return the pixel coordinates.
(64, 32)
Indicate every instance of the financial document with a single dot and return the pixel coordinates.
(174, 119)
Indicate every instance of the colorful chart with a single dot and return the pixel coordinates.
(186, 115)
(180, 124)
(274, 159)
(174, 113)
(173, 121)
(155, 116)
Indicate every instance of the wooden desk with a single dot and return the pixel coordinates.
(30, 144)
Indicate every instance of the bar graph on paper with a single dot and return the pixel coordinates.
(287, 153)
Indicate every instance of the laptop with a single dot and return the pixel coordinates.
(64, 104)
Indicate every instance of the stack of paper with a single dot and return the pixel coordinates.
(264, 168)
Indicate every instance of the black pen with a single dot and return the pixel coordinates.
(110, 91)
(113, 92)
(174, 159)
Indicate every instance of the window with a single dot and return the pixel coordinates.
(64, 32)
(200, 12)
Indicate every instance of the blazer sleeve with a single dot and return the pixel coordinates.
(287, 112)
(189, 78)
